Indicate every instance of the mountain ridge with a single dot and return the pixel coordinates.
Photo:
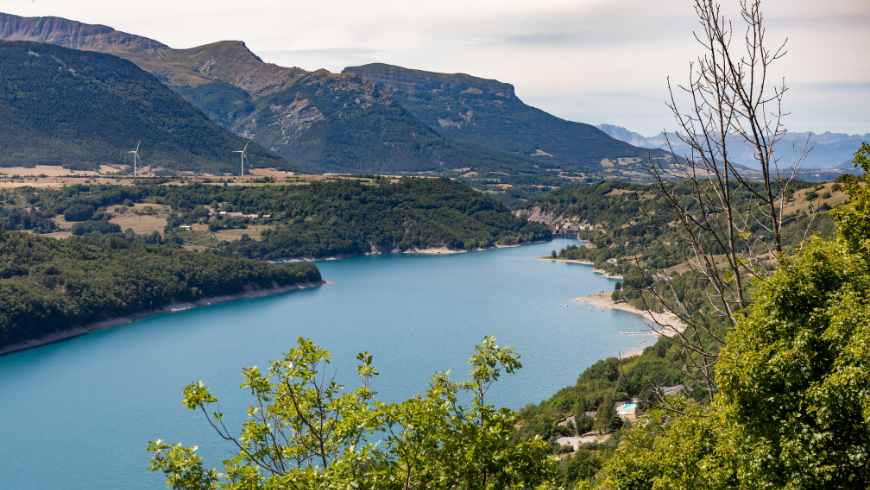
(325, 121)
(488, 112)
(81, 109)
(343, 122)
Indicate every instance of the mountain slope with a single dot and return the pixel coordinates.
(489, 113)
(80, 109)
(325, 121)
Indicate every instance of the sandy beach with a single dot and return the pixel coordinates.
(582, 262)
(585, 262)
(115, 322)
(666, 324)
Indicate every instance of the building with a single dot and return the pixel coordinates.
(671, 390)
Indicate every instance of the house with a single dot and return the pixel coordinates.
(575, 442)
(671, 390)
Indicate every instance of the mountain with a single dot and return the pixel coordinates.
(325, 121)
(81, 109)
(488, 113)
(827, 150)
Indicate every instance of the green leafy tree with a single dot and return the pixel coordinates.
(794, 410)
(305, 431)
(604, 415)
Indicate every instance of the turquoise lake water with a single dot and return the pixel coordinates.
(78, 414)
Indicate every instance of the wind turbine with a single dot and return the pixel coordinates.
(243, 158)
(136, 157)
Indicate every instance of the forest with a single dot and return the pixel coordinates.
(50, 285)
(618, 220)
(322, 219)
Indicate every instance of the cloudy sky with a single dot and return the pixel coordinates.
(594, 61)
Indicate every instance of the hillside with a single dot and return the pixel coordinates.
(50, 286)
(488, 113)
(82, 109)
(345, 217)
(614, 217)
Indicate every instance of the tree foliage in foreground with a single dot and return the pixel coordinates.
(305, 431)
(794, 407)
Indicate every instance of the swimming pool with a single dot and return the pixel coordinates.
(630, 406)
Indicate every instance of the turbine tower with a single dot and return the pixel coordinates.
(242, 152)
(135, 158)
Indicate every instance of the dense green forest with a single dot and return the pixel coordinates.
(322, 219)
(82, 109)
(50, 285)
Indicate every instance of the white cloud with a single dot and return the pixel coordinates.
(585, 60)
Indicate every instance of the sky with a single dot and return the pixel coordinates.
(592, 61)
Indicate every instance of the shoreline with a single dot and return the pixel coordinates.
(585, 262)
(424, 251)
(669, 324)
(172, 307)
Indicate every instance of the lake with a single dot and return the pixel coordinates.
(78, 414)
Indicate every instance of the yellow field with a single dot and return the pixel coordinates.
(55, 171)
(253, 232)
(141, 224)
(800, 202)
(55, 176)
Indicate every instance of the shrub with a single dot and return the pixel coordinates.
(78, 212)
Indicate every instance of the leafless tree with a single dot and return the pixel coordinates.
(730, 98)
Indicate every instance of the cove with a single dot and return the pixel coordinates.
(78, 414)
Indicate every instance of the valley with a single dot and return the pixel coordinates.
(658, 316)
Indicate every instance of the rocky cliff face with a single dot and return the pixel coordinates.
(536, 214)
(398, 78)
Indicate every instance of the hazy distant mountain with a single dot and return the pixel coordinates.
(488, 113)
(81, 109)
(827, 150)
